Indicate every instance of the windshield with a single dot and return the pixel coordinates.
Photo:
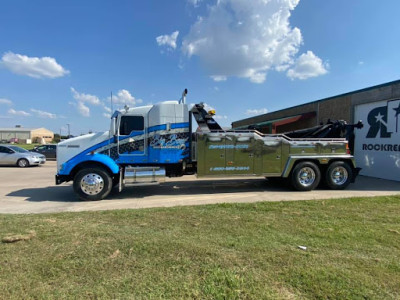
(18, 149)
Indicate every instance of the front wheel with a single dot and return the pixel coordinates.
(338, 175)
(305, 176)
(23, 163)
(92, 184)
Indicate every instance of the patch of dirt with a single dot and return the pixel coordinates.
(19, 237)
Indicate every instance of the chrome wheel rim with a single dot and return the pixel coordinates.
(92, 184)
(22, 163)
(306, 176)
(339, 175)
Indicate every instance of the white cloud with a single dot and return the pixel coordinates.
(219, 117)
(107, 109)
(5, 101)
(195, 3)
(36, 67)
(18, 113)
(219, 78)
(107, 114)
(81, 97)
(306, 66)
(43, 114)
(125, 97)
(360, 63)
(168, 40)
(245, 38)
(254, 112)
(82, 109)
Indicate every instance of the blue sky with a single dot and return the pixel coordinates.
(60, 60)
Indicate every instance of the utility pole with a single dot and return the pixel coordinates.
(69, 133)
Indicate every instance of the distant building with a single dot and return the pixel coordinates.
(377, 145)
(24, 135)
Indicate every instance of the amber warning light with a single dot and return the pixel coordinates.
(347, 148)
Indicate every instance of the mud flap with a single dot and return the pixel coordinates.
(356, 171)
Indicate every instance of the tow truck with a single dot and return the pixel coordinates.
(147, 144)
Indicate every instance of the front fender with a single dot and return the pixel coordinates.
(68, 166)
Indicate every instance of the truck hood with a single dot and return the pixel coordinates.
(74, 146)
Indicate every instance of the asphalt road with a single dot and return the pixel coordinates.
(32, 190)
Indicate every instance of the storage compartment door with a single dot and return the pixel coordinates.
(214, 156)
(239, 155)
(272, 160)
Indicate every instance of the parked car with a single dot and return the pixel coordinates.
(50, 151)
(14, 155)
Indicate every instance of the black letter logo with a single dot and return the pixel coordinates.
(377, 119)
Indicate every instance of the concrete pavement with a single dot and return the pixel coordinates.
(32, 190)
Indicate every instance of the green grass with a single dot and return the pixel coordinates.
(228, 251)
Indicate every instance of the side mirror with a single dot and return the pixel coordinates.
(113, 129)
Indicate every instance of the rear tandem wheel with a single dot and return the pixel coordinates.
(338, 175)
(305, 176)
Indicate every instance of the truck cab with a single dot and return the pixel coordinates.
(152, 137)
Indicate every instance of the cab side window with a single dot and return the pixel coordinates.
(131, 123)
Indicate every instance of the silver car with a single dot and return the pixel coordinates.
(14, 155)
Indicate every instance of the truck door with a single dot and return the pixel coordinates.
(132, 137)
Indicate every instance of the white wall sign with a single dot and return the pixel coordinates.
(377, 145)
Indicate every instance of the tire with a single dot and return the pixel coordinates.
(23, 163)
(92, 184)
(338, 175)
(305, 176)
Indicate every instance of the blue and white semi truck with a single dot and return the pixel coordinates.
(146, 144)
